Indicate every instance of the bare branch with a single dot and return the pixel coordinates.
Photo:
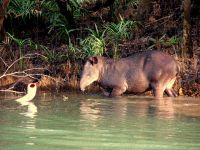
(21, 74)
(8, 90)
(4, 62)
(28, 56)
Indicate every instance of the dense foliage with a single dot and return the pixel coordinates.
(93, 27)
(58, 34)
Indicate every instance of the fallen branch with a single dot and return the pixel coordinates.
(20, 74)
(28, 56)
(12, 91)
(4, 62)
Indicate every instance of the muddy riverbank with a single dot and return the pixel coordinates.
(66, 77)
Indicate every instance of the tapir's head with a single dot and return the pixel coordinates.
(91, 72)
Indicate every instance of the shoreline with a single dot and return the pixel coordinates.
(187, 83)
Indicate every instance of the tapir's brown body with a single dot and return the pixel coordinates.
(136, 74)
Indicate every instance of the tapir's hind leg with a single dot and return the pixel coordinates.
(164, 86)
(169, 91)
(117, 91)
(158, 90)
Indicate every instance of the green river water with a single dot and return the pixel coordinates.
(71, 121)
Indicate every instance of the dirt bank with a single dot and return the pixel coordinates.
(66, 76)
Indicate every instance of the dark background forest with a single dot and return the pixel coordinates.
(50, 39)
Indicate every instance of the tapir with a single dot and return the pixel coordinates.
(138, 73)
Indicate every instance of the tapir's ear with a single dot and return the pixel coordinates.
(93, 60)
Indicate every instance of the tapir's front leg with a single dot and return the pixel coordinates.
(117, 91)
(105, 91)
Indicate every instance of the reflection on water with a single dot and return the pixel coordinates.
(89, 111)
(31, 110)
(93, 122)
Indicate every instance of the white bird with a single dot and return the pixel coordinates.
(31, 92)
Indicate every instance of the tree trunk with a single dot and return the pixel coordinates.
(187, 41)
(3, 8)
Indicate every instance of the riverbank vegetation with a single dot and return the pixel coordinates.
(49, 40)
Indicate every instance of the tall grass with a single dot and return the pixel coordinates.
(94, 43)
(119, 31)
(158, 43)
(56, 26)
(21, 8)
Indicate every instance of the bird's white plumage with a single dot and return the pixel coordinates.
(31, 92)
(26, 100)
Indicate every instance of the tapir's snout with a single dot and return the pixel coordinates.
(82, 86)
(82, 89)
(85, 82)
